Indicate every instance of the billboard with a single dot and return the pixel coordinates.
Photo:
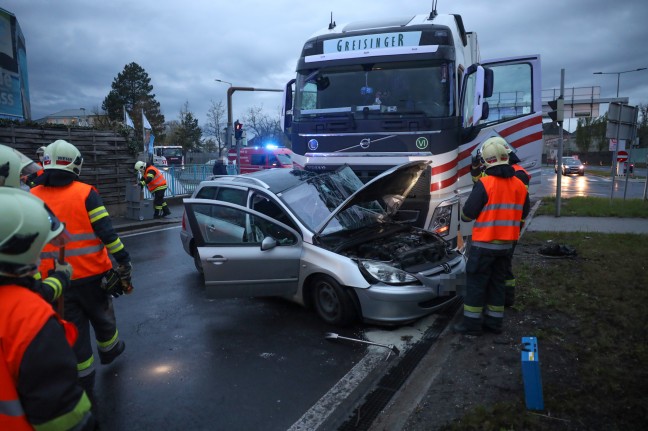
(14, 85)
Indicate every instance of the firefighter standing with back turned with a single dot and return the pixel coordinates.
(477, 172)
(153, 179)
(51, 287)
(39, 386)
(88, 301)
(498, 203)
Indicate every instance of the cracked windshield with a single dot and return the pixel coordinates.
(314, 201)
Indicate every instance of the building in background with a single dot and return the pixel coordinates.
(14, 85)
(70, 117)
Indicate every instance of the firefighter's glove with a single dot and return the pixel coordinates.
(142, 183)
(111, 284)
(65, 269)
(124, 270)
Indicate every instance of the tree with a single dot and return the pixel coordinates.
(584, 134)
(216, 121)
(263, 127)
(132, 89)
(642, 125)
(188, 134)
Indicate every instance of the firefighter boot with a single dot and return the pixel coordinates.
(493, 324)
(108, 356)
(468, 326)
(166, 211)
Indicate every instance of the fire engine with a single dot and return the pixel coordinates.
(375, 94)
(255, 158)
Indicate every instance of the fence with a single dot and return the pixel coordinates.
(183, 180)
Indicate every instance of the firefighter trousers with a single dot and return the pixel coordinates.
(159, 205)
(86, 304)
(485, 273)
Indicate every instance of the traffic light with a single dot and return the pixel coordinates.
(238, 130)
(557, 113)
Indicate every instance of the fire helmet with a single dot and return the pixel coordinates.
(62, 155)
(10, 166)
(495, 151)
(139, 166)
(40, 152)
(27, 225)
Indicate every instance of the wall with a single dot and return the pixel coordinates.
(107, 164)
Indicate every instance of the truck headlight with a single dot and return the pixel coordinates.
(441, 219)
(388, 274)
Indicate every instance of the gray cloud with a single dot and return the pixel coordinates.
(76, 48)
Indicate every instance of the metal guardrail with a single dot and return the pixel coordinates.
(183, 180)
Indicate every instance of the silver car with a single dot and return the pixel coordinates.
(323, 240)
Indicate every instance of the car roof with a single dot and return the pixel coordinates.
(275, 180)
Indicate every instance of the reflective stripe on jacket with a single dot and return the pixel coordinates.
(157, 181)
(22, 315)
(500, 219)
(85, 251)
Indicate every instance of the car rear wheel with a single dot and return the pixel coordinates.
(196, 259)
(333, 303)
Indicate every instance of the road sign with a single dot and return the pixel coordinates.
(622, 156)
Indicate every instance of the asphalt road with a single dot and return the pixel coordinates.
(244, 364)
(193, 363)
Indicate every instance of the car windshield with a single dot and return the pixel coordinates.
(379, 89)
(284, 159)
(571, 162)
(315, 200)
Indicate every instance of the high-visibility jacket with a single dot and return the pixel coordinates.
(22, 316)
(157, 181)
(500, 219)
(519, 168)
(85, 251)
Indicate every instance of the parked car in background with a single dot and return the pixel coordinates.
(326, 241)
(570, 165)
(254, 159)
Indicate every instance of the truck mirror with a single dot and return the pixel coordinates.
(288, 105)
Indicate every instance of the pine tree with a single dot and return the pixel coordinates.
(188, 134)
(132, 88)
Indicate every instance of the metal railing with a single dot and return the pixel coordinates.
(183, 180)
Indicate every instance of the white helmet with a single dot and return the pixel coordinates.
(495, 151)
(40, 152)
(62, 155)
(10, 167)
(139, 166)
(27, 225)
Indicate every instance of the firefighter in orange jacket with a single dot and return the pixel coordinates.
(478, 172)
(88, 301)
(11, 171)
(39, 386)
(498, 203)
(153, 179)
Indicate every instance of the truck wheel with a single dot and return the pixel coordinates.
(332, 302)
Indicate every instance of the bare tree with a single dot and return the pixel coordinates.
(213, 128)
(263, 126)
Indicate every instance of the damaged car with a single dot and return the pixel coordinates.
(324, 240)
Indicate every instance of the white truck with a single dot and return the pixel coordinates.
(375, 94)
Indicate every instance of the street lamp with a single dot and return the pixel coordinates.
(618, 74)
(224, 82)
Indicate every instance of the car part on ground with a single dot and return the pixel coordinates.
(334, 336)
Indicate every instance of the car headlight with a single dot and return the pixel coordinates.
(440, 223)
(386, 273)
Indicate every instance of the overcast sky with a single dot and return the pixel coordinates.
(75, 48)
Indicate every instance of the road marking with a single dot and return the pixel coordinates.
(128, 235)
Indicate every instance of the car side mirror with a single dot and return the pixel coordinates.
(268, 243)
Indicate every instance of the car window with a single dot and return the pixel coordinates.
(233, 196)
(258, 159)
(266, 206)
(207, 193)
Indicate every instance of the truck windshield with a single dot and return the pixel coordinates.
(380, 89)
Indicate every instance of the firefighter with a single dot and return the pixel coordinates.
(34, 179)
(498, 203)
(88, 301)
(477, 171)
(153, 179)
(10, 173)
(39, 386)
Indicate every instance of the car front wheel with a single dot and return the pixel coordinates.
(333, 303)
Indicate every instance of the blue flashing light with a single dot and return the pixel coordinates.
(271, 146)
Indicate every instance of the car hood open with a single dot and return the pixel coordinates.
(390, 188)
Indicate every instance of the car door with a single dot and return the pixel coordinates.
(243, 252)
